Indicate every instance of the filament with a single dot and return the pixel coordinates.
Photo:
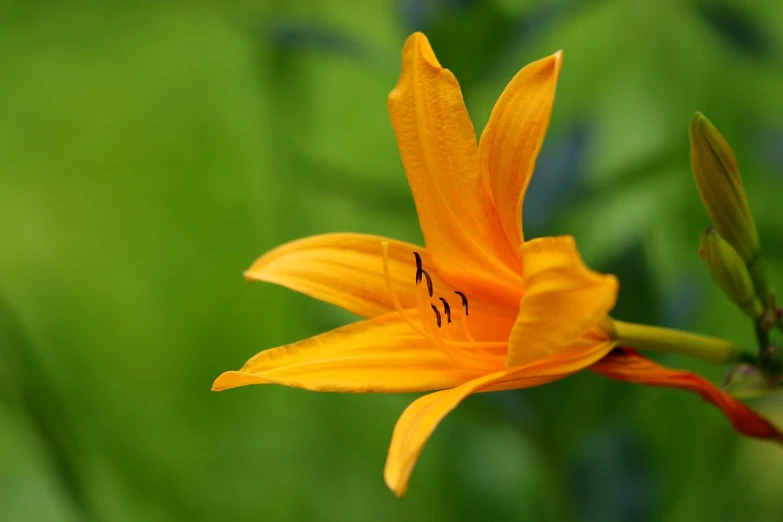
(461, 352)
(453, 349)
(395, 301)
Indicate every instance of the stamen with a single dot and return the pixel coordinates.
(419, 269)
(437, 313)
(461, 352)
(465, 330)
(446, 309)
(396, 302)
(429, 281)
(464, 301)
(454, 350)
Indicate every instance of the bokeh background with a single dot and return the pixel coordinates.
(149, 151)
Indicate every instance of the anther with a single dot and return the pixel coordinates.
(446, 309)
(437, 313)
(464, 300)
(419, 269)
(429, 281)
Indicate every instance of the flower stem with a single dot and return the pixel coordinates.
(711, 349)
(762, 334)
(759, 281)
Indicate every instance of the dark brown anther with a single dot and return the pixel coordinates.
(437, 314)
(429, 281)
(464, 301)
(419, 269)
(446, 309)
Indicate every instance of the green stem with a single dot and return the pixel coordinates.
(759, 281)
(762, 335)
(711, 349)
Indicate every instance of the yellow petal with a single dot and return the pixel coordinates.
(563, 299)
(345, 270)
(420, 419)
(513, 137)
(440, 155)
(382, 355)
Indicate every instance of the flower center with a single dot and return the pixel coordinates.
(443, 324)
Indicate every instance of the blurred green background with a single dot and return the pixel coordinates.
(149, 151)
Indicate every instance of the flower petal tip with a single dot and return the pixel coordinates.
(220, 383)
(397, 484)
(253, 272)
(226, 381)
(234, 379)
(416, 36)
(420, 44)
(555, 60)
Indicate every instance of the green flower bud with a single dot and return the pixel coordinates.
(720, 187)
(729, 271)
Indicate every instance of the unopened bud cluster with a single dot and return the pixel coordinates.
(731, 248)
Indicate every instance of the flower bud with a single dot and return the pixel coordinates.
(720, 187)
(729, 271)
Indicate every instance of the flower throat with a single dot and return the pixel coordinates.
(447, 329)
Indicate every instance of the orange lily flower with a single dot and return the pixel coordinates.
(480, 309)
